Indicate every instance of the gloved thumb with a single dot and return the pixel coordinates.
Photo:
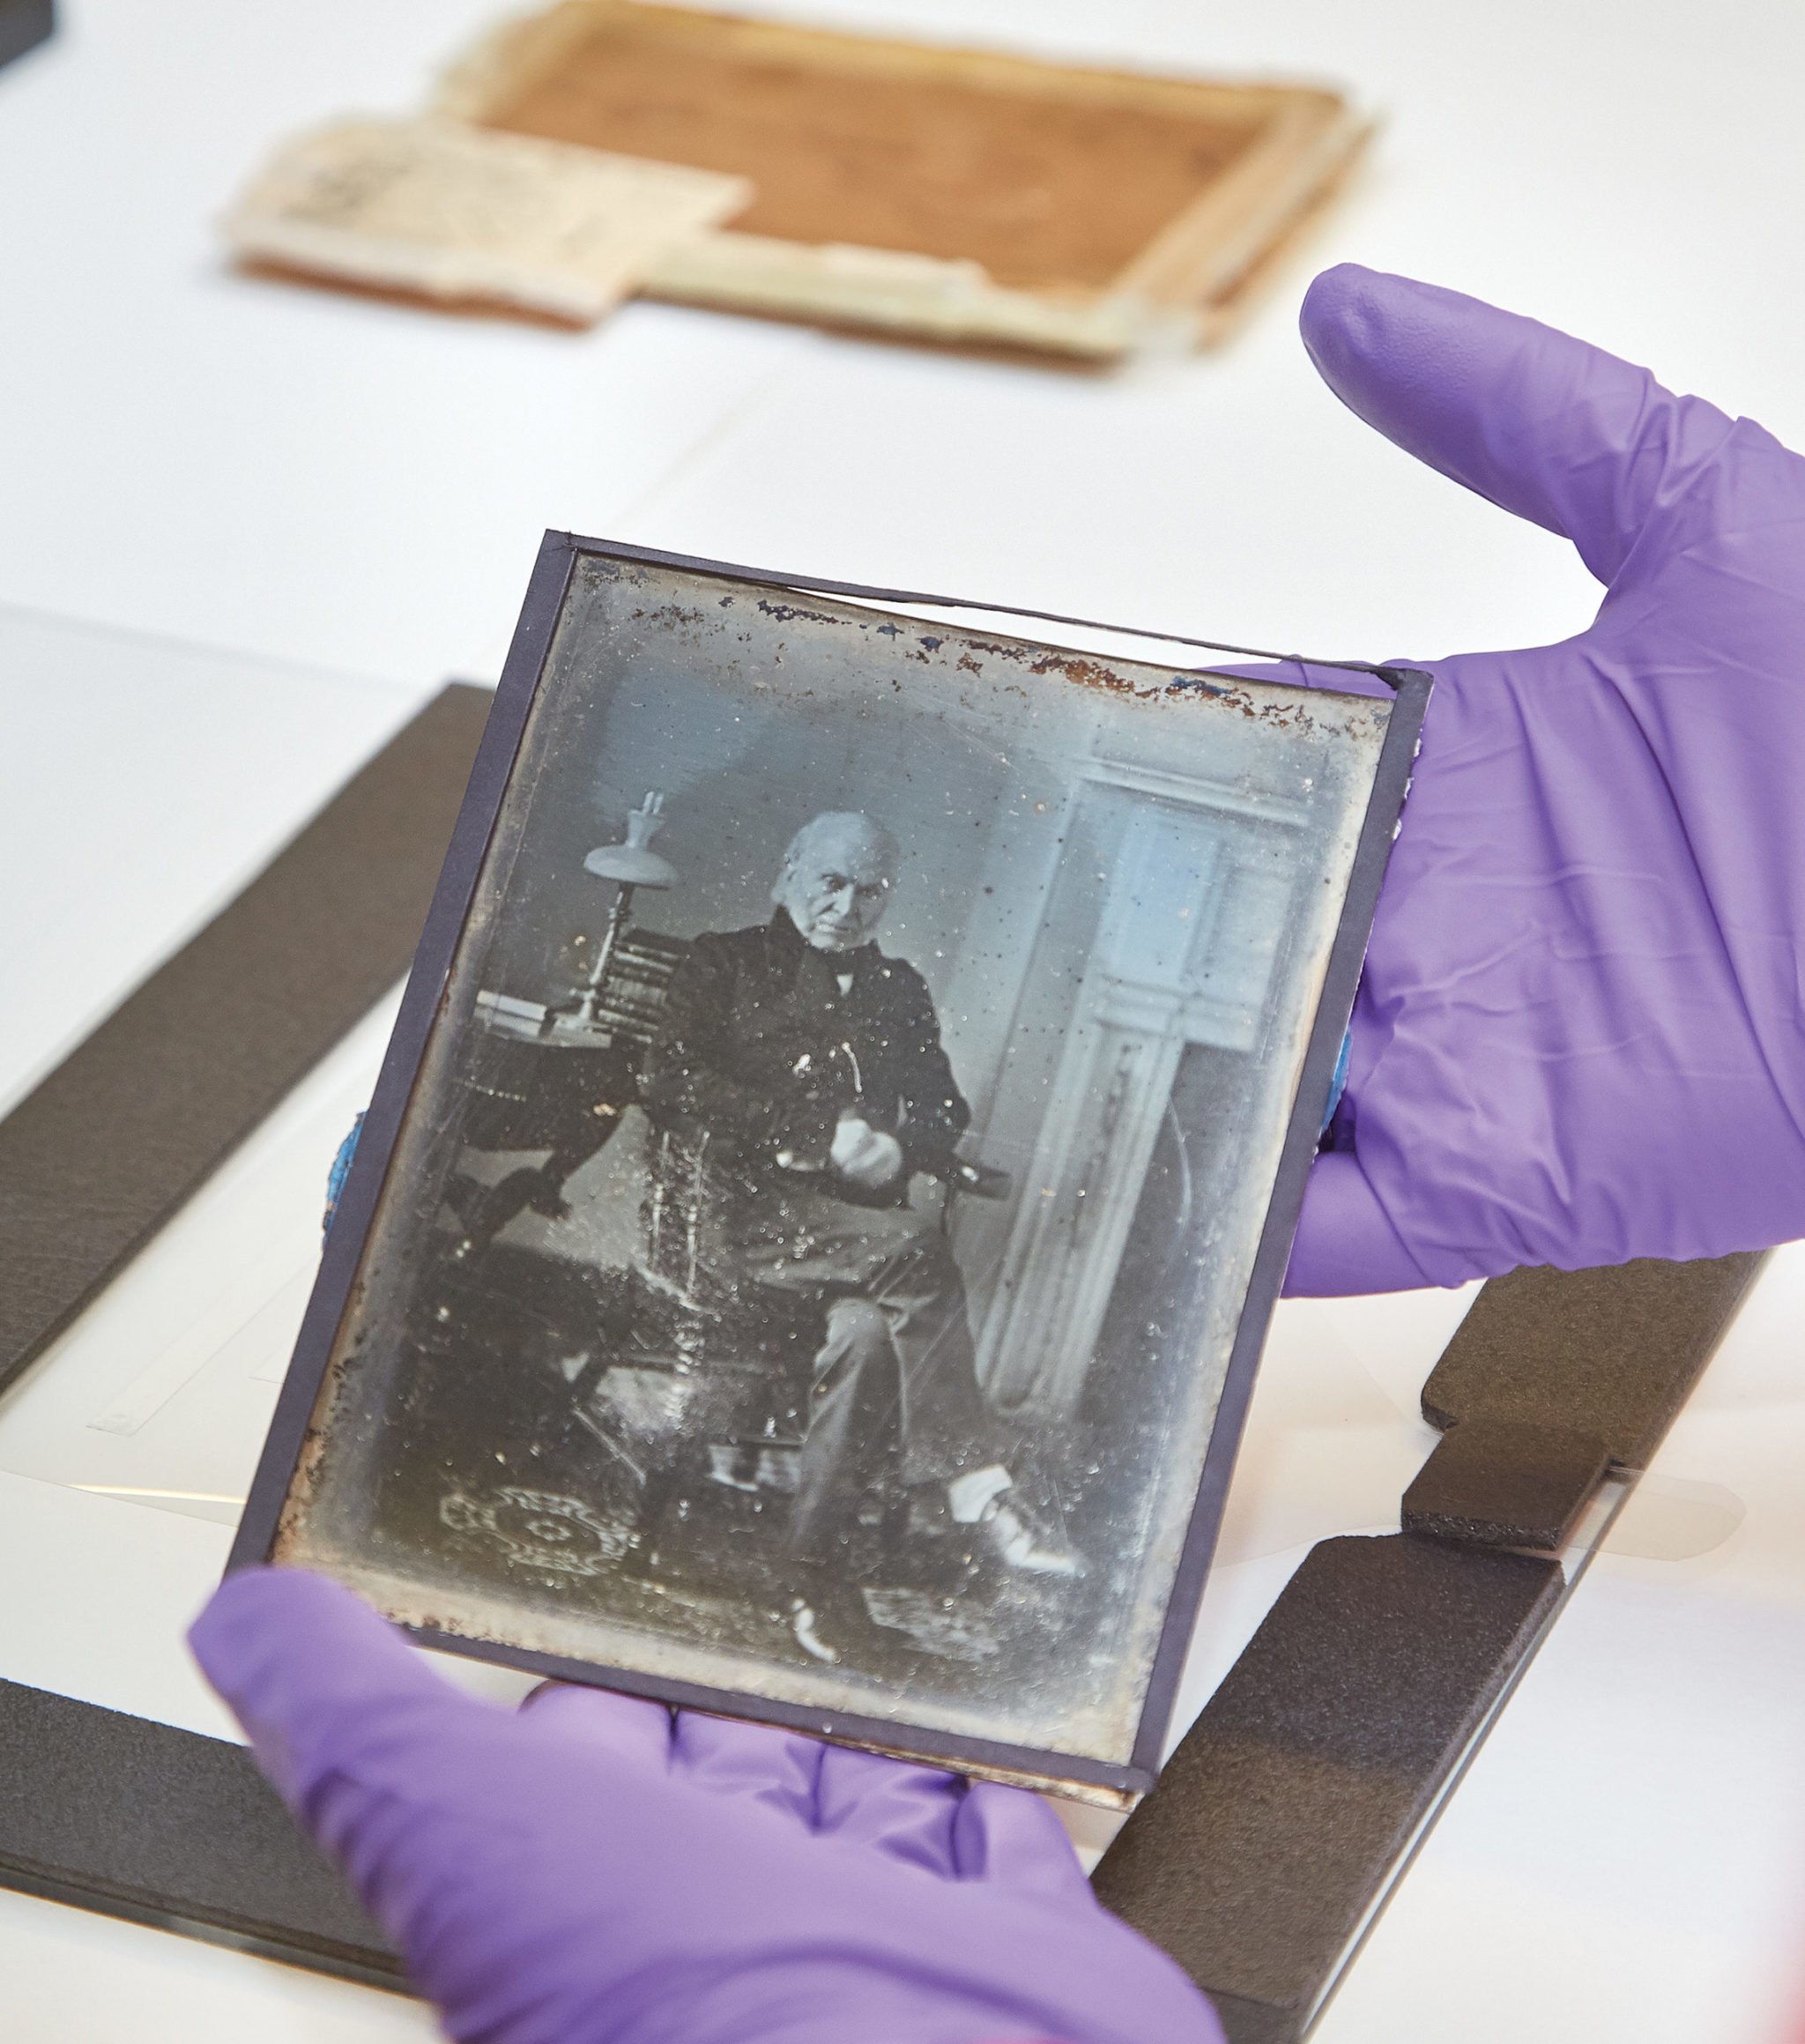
(318, 1681)
(1549, 428)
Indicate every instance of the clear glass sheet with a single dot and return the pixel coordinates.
(146, 782)
(160, 1393)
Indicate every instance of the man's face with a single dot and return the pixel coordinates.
(836, 894)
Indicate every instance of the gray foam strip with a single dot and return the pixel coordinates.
(165, 1827)
(1613, 1352)
(1501, 1482)
(103, 1152)
(1274, 1828)
(1256, 1860)
(23, 24)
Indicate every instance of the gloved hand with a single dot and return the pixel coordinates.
(1579, 1037)
(586, 1871)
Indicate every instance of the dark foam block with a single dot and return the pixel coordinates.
(1501, 1483)
(164, 1827)
(23, 24)
(1612, 1352)
(1275, 1822)
(100, 1155)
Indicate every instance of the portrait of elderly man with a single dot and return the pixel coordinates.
(806, 1065)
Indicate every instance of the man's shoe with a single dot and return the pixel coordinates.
(1021, 1541)
(809, 1629)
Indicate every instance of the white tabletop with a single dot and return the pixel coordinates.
(245, 527)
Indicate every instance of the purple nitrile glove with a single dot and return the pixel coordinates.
(1579, 1037)
(588, 1871)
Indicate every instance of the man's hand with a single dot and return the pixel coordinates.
(1580, 1034)
(589, 1870)
(865, 1157)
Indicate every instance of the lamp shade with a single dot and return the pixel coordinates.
(632, 864)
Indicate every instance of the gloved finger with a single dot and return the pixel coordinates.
(634, 1728)
(1346, 1246)
(309, 1670)
(1009, 1836)
(769, 1766)
(891, 1806)
(1555, 430)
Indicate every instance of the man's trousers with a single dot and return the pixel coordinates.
(894, 1391)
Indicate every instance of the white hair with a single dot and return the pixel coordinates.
(836, 823)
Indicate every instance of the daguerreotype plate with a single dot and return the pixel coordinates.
(809, 1247)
